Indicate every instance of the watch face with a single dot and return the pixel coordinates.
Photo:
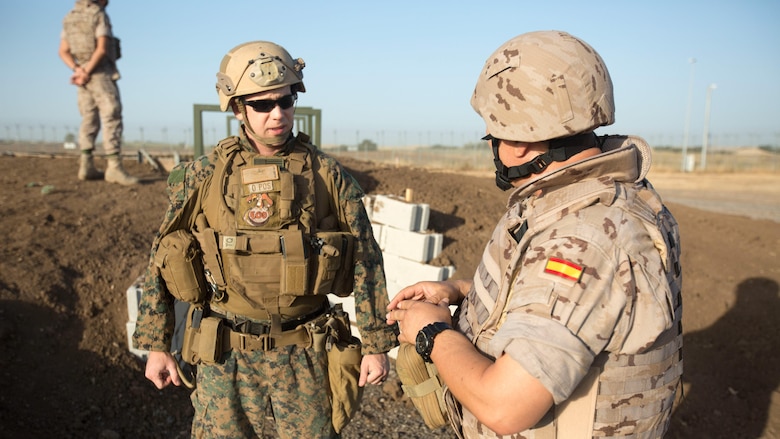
(421, 344)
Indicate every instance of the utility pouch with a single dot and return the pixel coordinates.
(344, 358)
(294, 272)
(333, 263)
(179, 259)
(420, 382)
(189, 346)
(210, 343)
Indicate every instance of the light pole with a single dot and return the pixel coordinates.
(706, 134)
(692, 61)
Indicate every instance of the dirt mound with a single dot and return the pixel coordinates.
(71, 249)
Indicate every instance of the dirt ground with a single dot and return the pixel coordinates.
(71, 249)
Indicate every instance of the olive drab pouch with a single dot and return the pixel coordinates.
(189, 346)
(344, 358)
(210, 343)
(333, 263)
(202, 338)
(179, 259)
(295, 278)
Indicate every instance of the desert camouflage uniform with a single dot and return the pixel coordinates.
(98, 100)
(232, 398)
(613, 307)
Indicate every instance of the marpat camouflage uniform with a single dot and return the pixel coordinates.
(582, 274)
(232, 397)
(98, 100)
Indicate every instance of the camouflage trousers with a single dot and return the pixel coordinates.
(100, 104)
(233, 398)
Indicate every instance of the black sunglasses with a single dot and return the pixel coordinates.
(267, 105)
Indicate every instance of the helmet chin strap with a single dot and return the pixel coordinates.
(560, 150)
(269, 141)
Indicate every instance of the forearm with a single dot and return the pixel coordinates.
(499, 393)
(156, 317)
(66, 56)
(371, 303)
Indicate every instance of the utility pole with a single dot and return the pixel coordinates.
(692, 61)
(706, 135)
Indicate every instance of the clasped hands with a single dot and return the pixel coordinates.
(420, 304)
(79, 76)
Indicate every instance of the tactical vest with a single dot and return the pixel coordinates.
(627, 396)
(270, 242)
(79, 26)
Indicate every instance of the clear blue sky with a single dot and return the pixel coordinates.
(402, 72)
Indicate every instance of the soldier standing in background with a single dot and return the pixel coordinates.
(571, 326)
(90, 50)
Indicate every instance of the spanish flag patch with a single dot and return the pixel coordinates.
(563, 268)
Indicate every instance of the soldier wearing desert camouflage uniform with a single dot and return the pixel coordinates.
(571, 326)
(89, 48)
(273, 221)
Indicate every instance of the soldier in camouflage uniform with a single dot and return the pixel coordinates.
(269, 360)
(90, 50)
(571, 326)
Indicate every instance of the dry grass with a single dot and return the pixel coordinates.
(733, 160)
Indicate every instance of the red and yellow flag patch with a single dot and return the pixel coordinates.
(563, 268)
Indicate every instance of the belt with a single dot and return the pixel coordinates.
(266, 342)
(249, 327)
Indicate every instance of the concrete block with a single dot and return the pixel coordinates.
(379, 234)
(134, 298)
(403, 271)
(395, 212)
(416, 246)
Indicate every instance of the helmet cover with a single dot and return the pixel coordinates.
(544, 85)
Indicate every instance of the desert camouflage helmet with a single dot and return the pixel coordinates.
(544, 85)
(254, 67)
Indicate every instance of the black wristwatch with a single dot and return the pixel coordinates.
(424, 341)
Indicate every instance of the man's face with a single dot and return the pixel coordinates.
(277, 121)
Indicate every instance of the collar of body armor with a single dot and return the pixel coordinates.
(560, 150)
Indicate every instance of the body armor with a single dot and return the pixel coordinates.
(270, 242)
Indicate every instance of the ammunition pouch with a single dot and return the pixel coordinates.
(333, 263)
(179, 260)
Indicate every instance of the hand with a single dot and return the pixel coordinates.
(374, 369)
(413, 315)
(161, 369)
(427, 291)
(79, 76)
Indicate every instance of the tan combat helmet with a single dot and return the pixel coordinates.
(257, 66)
(544, 85)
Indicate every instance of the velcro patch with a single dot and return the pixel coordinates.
(563, 268)
(259, 174)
